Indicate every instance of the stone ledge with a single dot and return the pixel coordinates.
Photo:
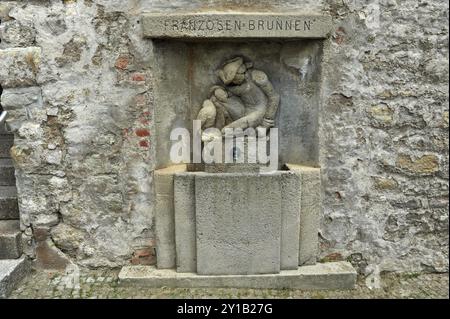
(10, 239)
(9, 208)
(333, 275)
(12, 271)
(244, 25)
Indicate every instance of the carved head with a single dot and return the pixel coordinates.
(233, 71)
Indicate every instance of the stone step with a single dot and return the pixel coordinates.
(9, 208)
(3, 129)
(6, 142)
(7, 177)
(12, 271)
(10, 239)
(333, 275)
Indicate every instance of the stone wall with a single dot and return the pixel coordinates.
(77, 80)
(384, 136)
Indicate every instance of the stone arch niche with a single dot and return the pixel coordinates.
(238, 229)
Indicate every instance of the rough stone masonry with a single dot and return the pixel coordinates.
(76, 78)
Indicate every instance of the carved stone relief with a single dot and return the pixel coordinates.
(244, 99)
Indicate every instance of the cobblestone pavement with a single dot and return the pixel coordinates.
(104, 284)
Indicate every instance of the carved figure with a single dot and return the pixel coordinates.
(247, 98)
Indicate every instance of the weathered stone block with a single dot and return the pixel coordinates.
(185, 228)
(67, 238)
(185, 220)
(424, 165)
(10, 239)
(385, 184)
(232, 168)
(9, 208)
(309, 212)
(290, 219)
(169, 64)
(45, 220)
(48, 256)
(165, 216)
(15, 33)
(6, 142)
(5, 8)
(382, 114)
(235, 25)
(19, 66)
(238, 219)
(7, 177)
(19, 98)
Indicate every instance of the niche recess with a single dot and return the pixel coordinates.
(186, 71)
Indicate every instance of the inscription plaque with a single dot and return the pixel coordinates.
(235, 25)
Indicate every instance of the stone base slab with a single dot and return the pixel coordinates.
(333, 275)
(12, 271)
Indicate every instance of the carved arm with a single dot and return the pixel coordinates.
(273, 97)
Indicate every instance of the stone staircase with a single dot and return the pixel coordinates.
(13, 266)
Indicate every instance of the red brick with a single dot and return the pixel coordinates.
(138, 77)
(140, 100)
(143, 144)
(144, 256)
(142, 132)
(339, 35)
(122, 62)
(333, 257)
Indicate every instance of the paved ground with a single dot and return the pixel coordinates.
(104, 284)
